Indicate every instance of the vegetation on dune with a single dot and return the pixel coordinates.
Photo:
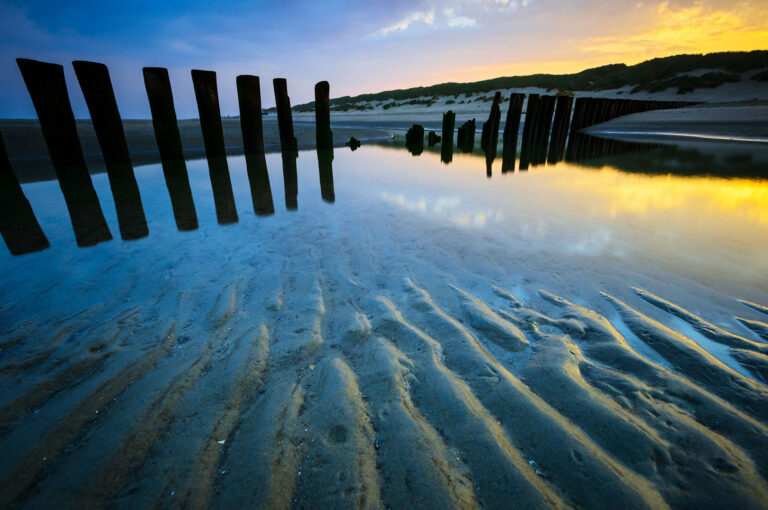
(652, 75)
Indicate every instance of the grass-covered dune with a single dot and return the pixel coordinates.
(653, 75)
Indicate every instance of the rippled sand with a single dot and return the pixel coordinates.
(357, 354)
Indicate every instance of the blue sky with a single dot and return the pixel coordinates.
(358, 46)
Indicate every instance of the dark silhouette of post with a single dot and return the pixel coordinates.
(284, 116)
(511, 131)
(160, 96)
(414, 139)
(446, 149)
(465, 137)
(48, 89)
(324, 135)
(543, 127)
(529, 130)
(207, 96)
(100, 97)
(490, 133)
(249, 97)
(288, 143)
(560, 128)
(18, 225)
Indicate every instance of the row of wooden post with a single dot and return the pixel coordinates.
(47, 88)
(549, 124)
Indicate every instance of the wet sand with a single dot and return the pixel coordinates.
(362, 355)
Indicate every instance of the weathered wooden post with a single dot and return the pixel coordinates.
(490, 133)
(446, 149)
(560, 128)
(414, 139)
(160, 96)
(511, 131)
(18, 225)
(465, 138)
(529, 130)
(323, 116)
(249, 98)
(207, 96)
(48, 90)
(100, 97)
(284, 116)
(543, 126)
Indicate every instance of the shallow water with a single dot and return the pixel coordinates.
(397, 344)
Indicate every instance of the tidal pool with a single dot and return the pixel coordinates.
(397, 333)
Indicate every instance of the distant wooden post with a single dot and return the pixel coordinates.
(207, 96)
(323, 116)
(249, 98)
(543, 127)
(446, 149)
(529, 130)
(18, 225)
(160, 96)
(490, 133)
(465, 138)
(48, 89)
(511, 131)
(100, 97)
(284, 116)
(559, 128)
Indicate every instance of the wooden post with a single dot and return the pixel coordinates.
(48, 89)
(18, 225)
(284, 117)
(100, 97)
(290, 180)
(531, 114)
(543, 127)
(511, 131)
(560, 128)
(490, 133)
(249, 98)
(160, 96)
(323, 116)
(207, 96)
(414, 139)
(446, 149)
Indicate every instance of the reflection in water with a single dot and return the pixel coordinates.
(325, 164)
(290, 179)
(18, 225)
(258, 178)
(222, 190)
(177, 182)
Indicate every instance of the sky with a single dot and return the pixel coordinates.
(358, 46)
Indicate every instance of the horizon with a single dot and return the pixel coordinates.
(355, 49)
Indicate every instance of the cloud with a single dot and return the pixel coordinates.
(426, 17)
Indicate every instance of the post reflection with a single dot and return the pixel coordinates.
(325, 166)
(18, 224)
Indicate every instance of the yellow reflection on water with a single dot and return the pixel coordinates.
(619, 192)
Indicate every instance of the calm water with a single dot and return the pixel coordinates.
(388, 233)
